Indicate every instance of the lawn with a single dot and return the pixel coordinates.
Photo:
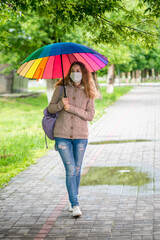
(21, 135)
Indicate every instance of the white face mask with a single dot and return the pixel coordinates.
(76, 76)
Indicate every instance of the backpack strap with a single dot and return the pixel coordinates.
(61, 90)
(46, 141)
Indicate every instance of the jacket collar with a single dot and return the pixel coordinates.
(79, 87)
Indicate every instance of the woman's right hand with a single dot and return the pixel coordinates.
(65, 101)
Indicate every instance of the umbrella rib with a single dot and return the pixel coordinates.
(30, 66)
(87, 62)
(96, 55)
(45, 67)
(37, 66)
(75, 56)
(22, 68)
(68, 58)
(93, 60)
(53, 65)
(104, 58)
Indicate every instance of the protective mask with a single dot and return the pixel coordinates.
(76, 76)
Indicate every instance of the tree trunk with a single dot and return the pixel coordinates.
(156, 75)
(6, 79)
(117, 79)
(133, 76)
(126, 77)
(150, 74)
(145, 75)
(153, 74)
(129, 77)
(142, 75)
(138, 76)
(123, 77)
(94, 76)
(50, 88)
(110, 79)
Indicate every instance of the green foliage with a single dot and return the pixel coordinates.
(153, 7)
(24, 37)
(141, 58)
(116, 29)
(107, 21)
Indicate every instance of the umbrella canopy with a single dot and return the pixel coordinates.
(45, 63)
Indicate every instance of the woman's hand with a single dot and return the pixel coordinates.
(65, 102)
(66, 107)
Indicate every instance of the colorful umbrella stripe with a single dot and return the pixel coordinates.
(45, 63)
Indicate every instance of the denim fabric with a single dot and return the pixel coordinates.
(72, 152)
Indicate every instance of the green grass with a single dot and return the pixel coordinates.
(21, 135)
(37, 88)
(115, 176)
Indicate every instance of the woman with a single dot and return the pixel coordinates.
(71, 127)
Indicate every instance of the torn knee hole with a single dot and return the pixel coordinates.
(68, 163)
(81, 149)
(77, 171)
(61, 146)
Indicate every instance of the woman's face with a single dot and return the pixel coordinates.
(76, 69)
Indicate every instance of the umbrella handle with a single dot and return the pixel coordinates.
(64, 89)
(63, 74)
(63, 78)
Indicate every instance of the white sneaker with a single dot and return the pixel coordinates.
(76, 211)
(70, 208)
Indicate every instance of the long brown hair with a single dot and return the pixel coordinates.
(87, 81)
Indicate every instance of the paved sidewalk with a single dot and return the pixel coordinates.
(35, 204)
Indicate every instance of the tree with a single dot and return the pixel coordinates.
(37, 23)
(142, 59)
(136, 23)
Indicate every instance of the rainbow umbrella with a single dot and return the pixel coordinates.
(54, 60)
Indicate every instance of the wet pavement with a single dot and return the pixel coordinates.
(35, 203)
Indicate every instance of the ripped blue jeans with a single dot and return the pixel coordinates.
(72, 153)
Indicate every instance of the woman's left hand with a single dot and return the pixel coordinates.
(66, 107)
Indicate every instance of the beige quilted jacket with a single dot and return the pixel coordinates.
(73, 123)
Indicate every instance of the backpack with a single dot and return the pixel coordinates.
(48, 122)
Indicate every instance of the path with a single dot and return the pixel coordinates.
(34, 204)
